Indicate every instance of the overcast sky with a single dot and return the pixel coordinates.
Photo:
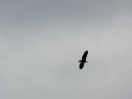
(41, 42)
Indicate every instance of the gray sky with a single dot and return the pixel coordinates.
(42, 41)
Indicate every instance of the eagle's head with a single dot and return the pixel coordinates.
(80, 61)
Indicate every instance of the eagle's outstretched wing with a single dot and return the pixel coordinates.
(81, 65)
(84, 56)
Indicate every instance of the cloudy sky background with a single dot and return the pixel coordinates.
(41, 42)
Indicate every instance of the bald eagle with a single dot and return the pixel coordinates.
(83, 59)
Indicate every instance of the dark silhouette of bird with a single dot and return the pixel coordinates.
(83, 59)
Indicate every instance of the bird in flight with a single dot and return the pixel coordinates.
(83, 59)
